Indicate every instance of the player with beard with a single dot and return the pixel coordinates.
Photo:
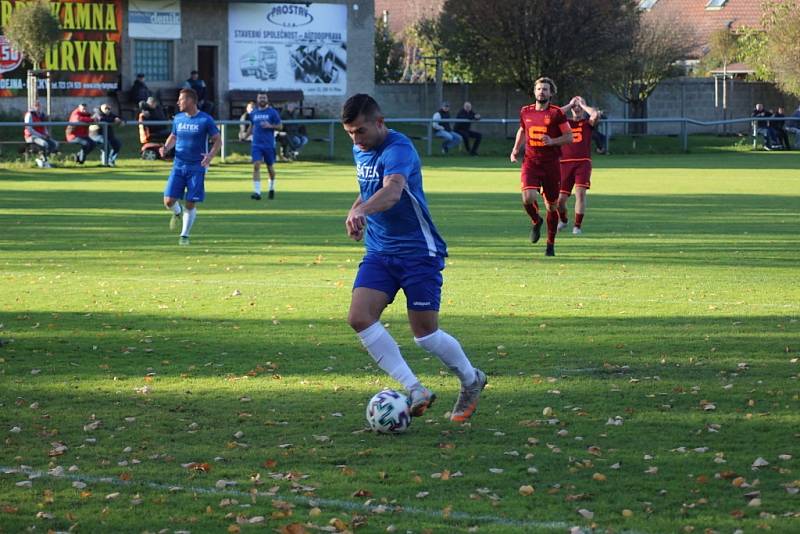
(543, 129)
(576, 161)
(264, 121)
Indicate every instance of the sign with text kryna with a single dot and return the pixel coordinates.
(154, 19)
(84, 62)
(288, 46)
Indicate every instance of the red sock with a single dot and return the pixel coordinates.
(563, 214)
(533, 212)
(578, 219)
(552, 226)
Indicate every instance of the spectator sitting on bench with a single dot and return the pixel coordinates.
(153, 111)
(104, 114)
(80, 134)
(39, 135)
(244, 134)
(294, 136)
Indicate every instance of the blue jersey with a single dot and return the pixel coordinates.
(192, 135)
(405, 229)
(264, 137)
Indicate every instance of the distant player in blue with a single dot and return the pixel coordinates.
(191, 130)
(264, 121)
(403, 251)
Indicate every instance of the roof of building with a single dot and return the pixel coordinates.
(708, 16)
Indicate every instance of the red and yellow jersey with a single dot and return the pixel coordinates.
(537, 123)
(581, 147)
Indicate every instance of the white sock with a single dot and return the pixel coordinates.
(272, 184)
(384, 350)
(257, 187)
(188, 221)
(176, 208)
(449, 350)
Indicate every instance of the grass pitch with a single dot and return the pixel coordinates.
(644, 380)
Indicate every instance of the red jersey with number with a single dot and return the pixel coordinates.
(581, 147)
(537, 123)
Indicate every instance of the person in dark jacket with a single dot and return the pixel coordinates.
(464, 129)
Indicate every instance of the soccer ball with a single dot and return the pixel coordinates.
(388, 412)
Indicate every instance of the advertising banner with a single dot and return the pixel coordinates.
(84, 62)
(154, 19)
(288, 46)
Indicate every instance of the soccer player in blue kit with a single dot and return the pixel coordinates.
(403, 251)
(191, 130)
(264, 120)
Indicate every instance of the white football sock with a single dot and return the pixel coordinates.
(272, 184)
(188, 221)
(449, 350)
(384, 350)
(257, 187)
(176, 208)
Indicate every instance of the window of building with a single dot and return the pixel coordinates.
(715, 4)
(153, 59)
(647, 4)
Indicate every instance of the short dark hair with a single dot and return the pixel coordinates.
(358, 105)
(191, 93)
(140, 75)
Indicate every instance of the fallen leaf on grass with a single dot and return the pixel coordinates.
(526, 490)
(759, 462)
(293, 528)
(362, 493)
(586, 513)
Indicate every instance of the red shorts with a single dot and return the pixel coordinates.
(575, 174)
(542, 175)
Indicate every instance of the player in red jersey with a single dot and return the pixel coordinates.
(576, 161)
(543, 129)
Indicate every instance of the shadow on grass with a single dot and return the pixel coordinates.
(664, 229)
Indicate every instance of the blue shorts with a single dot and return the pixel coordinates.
(420, 278)
(188, 178)
(258, 153)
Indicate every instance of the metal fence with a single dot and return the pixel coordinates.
(605, 127)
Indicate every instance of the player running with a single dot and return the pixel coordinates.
(403, 251)
(576, 161)
(191, 130)
(264, 121)
(543, 128)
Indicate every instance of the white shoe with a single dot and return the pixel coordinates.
(40, 163)
(561, 226)
(576, 231)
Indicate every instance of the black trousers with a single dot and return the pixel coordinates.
(467, 135)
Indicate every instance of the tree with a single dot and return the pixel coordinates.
(575, 42)
(32, 30)
(658, 43)
(781, 19)
(723, 49)
(388, 54)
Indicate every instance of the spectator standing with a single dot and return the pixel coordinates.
(79, 134)
(139, 90)
(443, 129)
(464, 129)
(200, 87)
(108, 155)
(39, 135)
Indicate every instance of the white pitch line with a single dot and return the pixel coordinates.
(333, 503)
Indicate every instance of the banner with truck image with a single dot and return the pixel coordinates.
(288, 46)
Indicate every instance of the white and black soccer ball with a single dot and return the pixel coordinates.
(388, 412)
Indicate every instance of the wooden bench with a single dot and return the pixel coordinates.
(238, 99)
